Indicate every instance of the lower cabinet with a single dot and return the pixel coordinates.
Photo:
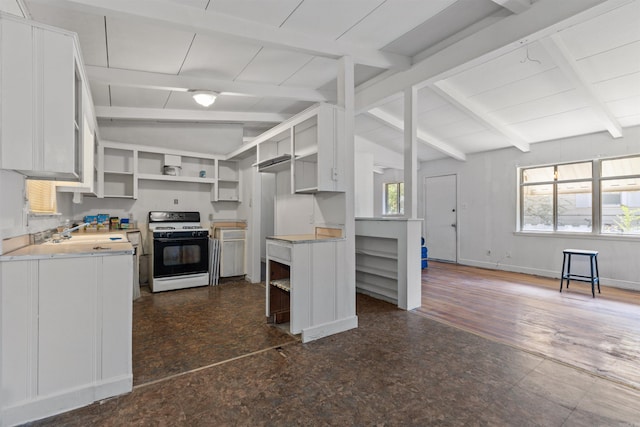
(66, 334)
(307, 287)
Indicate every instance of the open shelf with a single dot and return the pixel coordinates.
(176, 178)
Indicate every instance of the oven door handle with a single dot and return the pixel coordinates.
(178, 239)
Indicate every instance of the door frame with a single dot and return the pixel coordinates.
(457, 217)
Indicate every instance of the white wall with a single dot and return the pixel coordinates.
(363, 183)
(487, 198)
(198, 137)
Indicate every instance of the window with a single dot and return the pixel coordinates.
(394, 198)
(620, 188)
(585, 197)
(41, 196)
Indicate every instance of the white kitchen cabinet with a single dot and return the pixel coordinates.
(227, 185)
(232, 251)
(89, 136)
(116, 172)
(310, 147)
(66, 323)
(41, 111)
(66, 333)
(306, 286)
(121, 166)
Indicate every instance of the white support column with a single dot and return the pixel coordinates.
(410, 153)
(346, 99)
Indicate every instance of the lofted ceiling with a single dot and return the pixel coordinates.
(490, 73)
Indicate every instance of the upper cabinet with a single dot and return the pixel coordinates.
(309, 146)
(121, 166)
(41, 88)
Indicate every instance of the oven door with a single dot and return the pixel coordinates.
(180, 256)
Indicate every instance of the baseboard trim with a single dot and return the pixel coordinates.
(330, 328)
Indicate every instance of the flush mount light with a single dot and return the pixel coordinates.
(205, 97)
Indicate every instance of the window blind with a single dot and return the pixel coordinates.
(42, 196)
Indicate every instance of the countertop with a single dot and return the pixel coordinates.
(304, 238)
(75, 250)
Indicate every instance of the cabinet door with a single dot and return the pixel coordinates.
(117, 289)
(61, 104)
(17, 89)
(67, 323)
(18, 298)
(232, 260)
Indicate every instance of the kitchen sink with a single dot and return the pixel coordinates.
(90, 238)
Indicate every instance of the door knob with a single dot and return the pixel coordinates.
(453, 225)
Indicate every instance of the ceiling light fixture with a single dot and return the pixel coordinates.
(205, 97)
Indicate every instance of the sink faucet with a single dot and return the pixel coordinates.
(66, 233)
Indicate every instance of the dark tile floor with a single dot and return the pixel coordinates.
(397, 368)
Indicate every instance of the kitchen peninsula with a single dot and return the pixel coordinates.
(306, 285)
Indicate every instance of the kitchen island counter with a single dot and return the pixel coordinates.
(304, 238)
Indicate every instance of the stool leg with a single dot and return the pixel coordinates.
(564, 258)
(568, 269)
(593, 279)
(595, 260)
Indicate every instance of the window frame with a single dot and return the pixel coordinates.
(400, 191)
(596, 197)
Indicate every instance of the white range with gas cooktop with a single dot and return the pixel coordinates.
(179, 251)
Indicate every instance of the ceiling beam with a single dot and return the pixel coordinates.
(159, 81)
(423, 137)
(543, 18)
(460, 100)
(159, 114)
(200, 21)
(565, 61)
(514, 6)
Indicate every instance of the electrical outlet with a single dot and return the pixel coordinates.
(210, 217)
(488, 252)
(507, 254)
(175, 201)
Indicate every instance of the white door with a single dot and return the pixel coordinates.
(441, 217)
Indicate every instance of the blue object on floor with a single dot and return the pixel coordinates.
(424, 255)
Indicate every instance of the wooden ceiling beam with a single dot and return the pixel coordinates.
(542, 19)
(479, 112)
(176, 115)
(565, 61)
(423, 136)
(514, 6)
(173, 15)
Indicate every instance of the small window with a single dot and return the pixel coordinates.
(394, 198)
(41, 196)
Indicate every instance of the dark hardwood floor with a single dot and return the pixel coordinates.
(600, 335)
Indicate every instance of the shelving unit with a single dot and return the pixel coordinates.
(121, 166)
(227, 188)
(377, 267)
(308, 147)
(388, 260)
(116, 169)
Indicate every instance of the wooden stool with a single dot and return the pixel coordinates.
(593, 262)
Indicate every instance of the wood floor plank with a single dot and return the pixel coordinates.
(600, 335)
